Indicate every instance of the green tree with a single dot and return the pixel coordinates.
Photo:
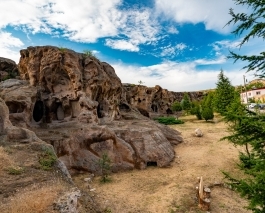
(176, 107)
(247, 128)
(207, 113)
(185, 102)
(196, 110)
(251, 25)
(224, 94)
(207, 106)
(105, 167)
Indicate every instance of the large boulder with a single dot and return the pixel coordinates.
(8, 68)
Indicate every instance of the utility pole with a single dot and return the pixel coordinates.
(245, 88)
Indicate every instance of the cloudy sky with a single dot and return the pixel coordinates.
(180, 45)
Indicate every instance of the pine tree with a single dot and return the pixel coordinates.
(185, 102)
(251, 25)
(176, 107)
(247, 128)
(224, 94)
(207, 106)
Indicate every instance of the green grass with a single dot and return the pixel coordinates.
(15, 170)
(47, 159)
(168, 120)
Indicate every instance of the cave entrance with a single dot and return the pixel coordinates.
(154, 107)
(169, 111)
(151, 163)
(38, 111)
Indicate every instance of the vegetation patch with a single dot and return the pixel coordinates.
(168, 120)
(47, 159)
(15, 170)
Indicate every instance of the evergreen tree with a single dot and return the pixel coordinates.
(207, 106)
(196, 110)
(176, 107)
(247, 128)
(185, 102)
(251, 25)
(207, 113)
(224, 94)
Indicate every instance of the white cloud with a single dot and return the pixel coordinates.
(220, 60)
(172, 51)
(122, 45)
(9, 46)
(81, 20)
(175, 76)
(213, 13)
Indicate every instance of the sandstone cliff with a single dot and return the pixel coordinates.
(78, 104)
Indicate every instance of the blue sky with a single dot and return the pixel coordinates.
(180, 45)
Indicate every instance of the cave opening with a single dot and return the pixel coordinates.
(99, 111)
(169, 111)
(38, 111)
(151, 163)
(154, 107)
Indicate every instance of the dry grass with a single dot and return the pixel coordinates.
(34, 200)
(5, 159)
(172, 189)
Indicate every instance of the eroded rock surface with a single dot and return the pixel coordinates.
(8, 68)
(77, 104)
(154, 100)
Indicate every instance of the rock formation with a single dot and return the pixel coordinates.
(154, 100)
(78, 104)
(8, 68)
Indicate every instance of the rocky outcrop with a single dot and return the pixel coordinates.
(154, 100)
(20, 98)
(77, 104)
(129, 145)
(70, 84)
(8, 68)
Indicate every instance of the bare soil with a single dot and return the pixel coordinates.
(163, 190)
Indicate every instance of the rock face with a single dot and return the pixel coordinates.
(8, 68)
(77, 104)
(70, 84)
(154, 100)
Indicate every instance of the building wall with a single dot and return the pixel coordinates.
(257, 94)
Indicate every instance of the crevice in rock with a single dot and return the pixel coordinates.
(151, 163)
(38, 111)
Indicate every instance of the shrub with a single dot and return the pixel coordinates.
(168, 120)
(47, 159)
(105, 167)
(15, 170)
(207, 113)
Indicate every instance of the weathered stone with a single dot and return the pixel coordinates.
(68, 202)
(198, 133)
(152, 101)
(83, 99)
(8, 68)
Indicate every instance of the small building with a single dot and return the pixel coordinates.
(256, 94)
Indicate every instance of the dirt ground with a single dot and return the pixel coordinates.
(172, 190)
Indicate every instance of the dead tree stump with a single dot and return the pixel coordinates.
(203, 195)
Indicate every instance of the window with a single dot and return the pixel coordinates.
(249, 93)
(258, 93)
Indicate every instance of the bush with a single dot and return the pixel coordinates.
(47, 159)
(105, 166)
(15, 170)
(168, 120)
(207, 113)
